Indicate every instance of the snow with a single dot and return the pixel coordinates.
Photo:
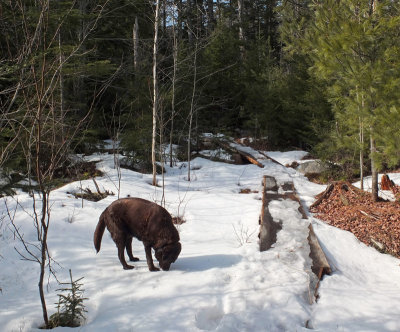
(286, 158)
(220, 281)
(385, 194)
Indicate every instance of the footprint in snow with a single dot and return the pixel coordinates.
(208, 319)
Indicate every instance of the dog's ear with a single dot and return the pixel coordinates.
(161, 242)
(159, 254)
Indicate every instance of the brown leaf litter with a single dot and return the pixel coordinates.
(351, 209)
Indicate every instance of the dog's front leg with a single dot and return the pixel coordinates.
(149, 259)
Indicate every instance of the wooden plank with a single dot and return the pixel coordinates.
(320, 265)
(268, 227)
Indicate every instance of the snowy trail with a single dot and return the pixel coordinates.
(217, 283)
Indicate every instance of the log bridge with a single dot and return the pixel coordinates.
(270, 227)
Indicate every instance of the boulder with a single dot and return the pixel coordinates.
(312, 167)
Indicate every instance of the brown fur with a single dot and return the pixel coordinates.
(148, 222)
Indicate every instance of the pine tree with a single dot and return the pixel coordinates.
(70, 308)
(352, 42)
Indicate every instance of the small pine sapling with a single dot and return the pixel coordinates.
(70, 307)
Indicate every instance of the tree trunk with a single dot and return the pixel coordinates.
(210, 14)
(135, 36)
(164, 13)
(175, 60)
(62, 114)
(179, 18)
(361, 155)
(241, 33)
(374, 172)
(155, 93)
(43, 260)
(192, 107)
(189, 20)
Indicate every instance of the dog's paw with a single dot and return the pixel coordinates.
(133, 259)
(128, 267)
(153, 269)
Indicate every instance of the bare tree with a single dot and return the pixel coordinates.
(174, 79)
(38, 120)
(155, 92)
(192, 106)
(135, 37)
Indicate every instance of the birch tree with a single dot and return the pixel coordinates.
(155, 91)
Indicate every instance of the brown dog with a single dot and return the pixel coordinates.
(148, 222)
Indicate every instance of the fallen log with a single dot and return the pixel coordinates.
(320, 265)
(243, 155)
(268, 227)
(324, 195)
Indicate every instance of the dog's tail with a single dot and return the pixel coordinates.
(98, 233)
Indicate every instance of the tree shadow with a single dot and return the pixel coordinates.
(205, 262)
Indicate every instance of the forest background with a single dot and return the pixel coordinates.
(321, 76)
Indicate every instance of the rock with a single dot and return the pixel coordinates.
(312, 167)
(5, 180)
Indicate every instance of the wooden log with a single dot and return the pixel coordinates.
(320, 265)
(244, 155)
(270, 158)
(295, 197)
(268, 227)
(324, 195)
(269, 183)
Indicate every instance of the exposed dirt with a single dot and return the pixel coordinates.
(351, 209)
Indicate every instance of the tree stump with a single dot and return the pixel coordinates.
(386, 183)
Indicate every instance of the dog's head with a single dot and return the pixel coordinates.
(168, 254)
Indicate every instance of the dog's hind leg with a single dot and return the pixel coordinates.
(121, 256)
(128, 246)
(149, 259)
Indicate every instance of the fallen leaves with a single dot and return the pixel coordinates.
(352, 209)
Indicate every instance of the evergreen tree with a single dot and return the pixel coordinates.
(355, 43)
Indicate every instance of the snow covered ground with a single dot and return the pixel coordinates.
(220, 282)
